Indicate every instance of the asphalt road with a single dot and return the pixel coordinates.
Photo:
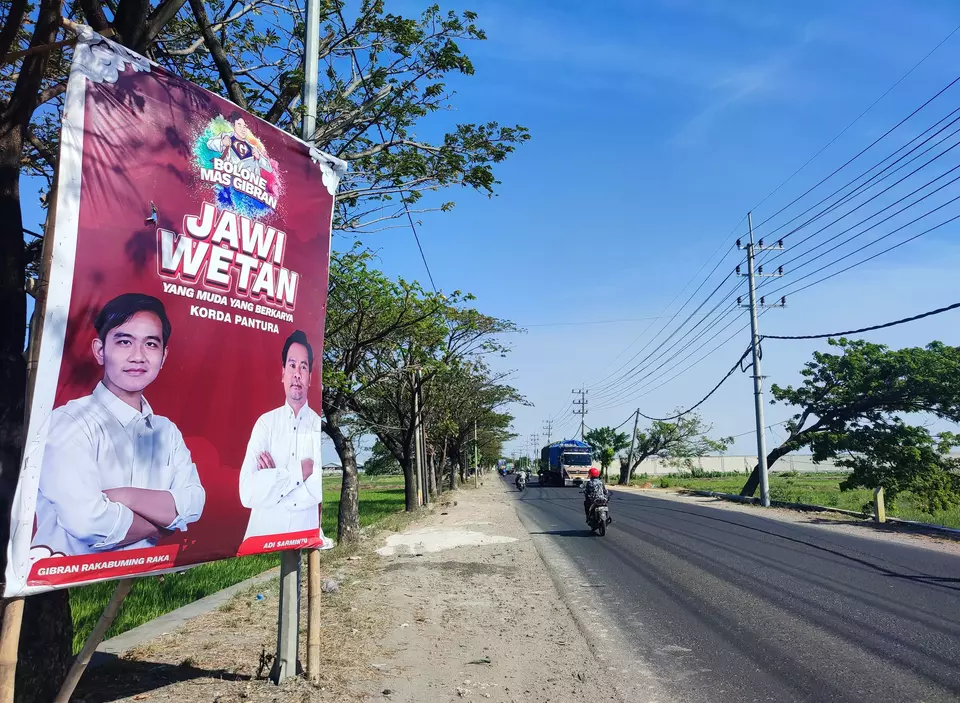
(717, 605)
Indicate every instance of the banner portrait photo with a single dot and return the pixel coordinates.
(175, 417)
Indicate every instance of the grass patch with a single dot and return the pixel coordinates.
(815, 489)
(380, 497)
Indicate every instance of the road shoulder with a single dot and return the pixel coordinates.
(458, 607)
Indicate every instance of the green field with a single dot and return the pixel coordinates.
(816, 489)
(153, 596)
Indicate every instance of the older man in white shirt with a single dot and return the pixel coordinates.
(280, 478)
(115, 475)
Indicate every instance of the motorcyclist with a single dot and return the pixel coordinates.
(593, 490)
(521, 479)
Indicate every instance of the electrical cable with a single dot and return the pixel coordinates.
(676, 360)
(859, 117)
(846, 198)
(874, 225)
(705, 398)
(383, 139)
(859, 154)
(633, 371)
(865, 246)
(867, 329)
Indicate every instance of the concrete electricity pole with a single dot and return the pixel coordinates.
(633, 438)
(548, 426)
(755, 350)
(288, 617)
(582, 409)
(476, 457)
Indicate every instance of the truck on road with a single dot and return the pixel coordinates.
(565, 463)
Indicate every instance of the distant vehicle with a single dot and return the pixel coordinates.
(566, 463)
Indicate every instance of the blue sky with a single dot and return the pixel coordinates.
(656, 125)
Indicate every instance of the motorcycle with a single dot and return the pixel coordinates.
(521, 481)
(599, 516)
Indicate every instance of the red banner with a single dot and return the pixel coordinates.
(176, 406)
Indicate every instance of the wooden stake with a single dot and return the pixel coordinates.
(313, 614)
(94, 640)
(9, 642)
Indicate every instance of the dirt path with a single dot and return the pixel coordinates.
(459, 607)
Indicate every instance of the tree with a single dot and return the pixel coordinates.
(368, 315)
(382, 74)
(678, 442)
(381, 462)
(455, 335)
(850, 407)
(606, 442)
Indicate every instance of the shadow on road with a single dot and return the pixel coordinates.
(566, 533)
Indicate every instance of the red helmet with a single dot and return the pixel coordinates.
(594, 472)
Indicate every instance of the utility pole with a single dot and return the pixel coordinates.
(755, 350)
(421, 439)
(476, 457)
(421, 488)
(633, 438)
(581, 410)
(548, 426)
(288, 617)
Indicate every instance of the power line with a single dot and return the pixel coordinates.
(643, 382)
(865, 246)
(867, 329)
(706, 397)
(877, 224)
(860, 153)
(639, 367)
(858, 118)
(647, 390)
(863, 187)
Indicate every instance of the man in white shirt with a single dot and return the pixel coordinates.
(280, 478)
(114, 475)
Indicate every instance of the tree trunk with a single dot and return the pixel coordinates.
(443, 463)
(624, 472)
(348, 518)
(46, 644)
(409, 483)
(47, 630)
(750, 487)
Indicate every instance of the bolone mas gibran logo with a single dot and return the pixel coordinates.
(231, 158)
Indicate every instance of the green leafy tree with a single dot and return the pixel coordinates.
(606, 442)
(678, 442)
(457, 334)
(381, 462)
(851, 407)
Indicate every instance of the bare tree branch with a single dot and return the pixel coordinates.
(224, 68)
(11, 27)
(93, 12)
(41, 148)
(377, 148)
(158, 19)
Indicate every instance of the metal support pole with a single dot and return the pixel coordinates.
(757, 376)
(476, 457)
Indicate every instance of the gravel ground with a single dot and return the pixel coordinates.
(459, 608)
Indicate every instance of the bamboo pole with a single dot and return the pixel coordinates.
(94, 640)
(9, 642)
(313, 614)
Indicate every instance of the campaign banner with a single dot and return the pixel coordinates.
(175, 417)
